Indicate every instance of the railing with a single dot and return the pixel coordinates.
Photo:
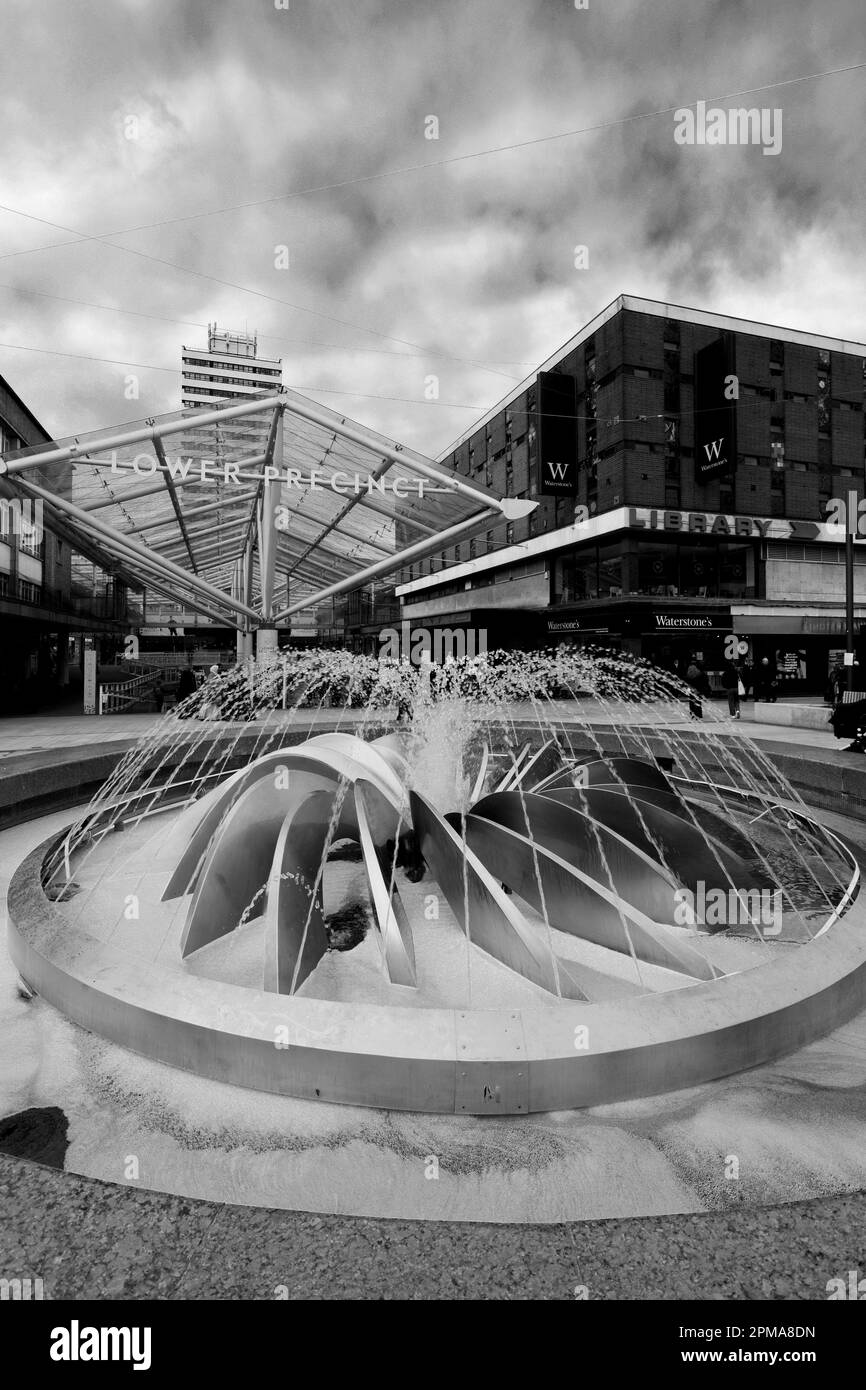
(118, 695)
(170, 661)
(115, 696)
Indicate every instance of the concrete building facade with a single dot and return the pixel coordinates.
(55, 589)
(230, 368)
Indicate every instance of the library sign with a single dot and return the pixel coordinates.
(724, 524)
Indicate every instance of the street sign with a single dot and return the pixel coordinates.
(89, 678)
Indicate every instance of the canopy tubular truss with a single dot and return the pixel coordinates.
(231, 508)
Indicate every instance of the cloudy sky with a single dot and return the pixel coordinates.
(157, 153)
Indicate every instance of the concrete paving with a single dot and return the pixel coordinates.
(27, 733)
(88, 1238)
(92, 1240)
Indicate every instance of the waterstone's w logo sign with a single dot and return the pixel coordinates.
(715, 409)
(557, 434)
(557, 472)
(713, 451)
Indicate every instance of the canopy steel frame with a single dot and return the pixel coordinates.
(147, 434)
(384, 566)
(253, 543)
(115, 539)
(167, 519)
(159, 450)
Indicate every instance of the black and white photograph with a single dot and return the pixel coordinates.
(432, 796)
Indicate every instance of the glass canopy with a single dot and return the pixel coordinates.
(225, 507)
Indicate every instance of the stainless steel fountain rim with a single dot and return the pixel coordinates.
(566, 1056)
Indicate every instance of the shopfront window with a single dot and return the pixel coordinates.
(575, 577)
(654, 568)
(699, 572)
(658, 569)
(672, 569)
(737, 571)
(610, 570)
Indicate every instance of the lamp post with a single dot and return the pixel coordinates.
(850, 535)
(852, 517)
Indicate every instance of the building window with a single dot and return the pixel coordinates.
(509, 533)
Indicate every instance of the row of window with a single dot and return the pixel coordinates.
(22, 589)
(9, 440)
(255, 368)
(221, 395)
(216, 380)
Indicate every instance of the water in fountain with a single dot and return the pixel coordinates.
(534, 726)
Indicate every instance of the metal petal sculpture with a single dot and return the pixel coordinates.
(597, 847)
(260, 846)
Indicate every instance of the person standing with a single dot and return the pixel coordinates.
(762, 680)
(186, 686)
(695, 678)
(731, 682)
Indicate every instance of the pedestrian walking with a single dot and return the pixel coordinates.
(697, 679)
(186, 686)
(733, 686)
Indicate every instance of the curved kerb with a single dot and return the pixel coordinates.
(564, 1056)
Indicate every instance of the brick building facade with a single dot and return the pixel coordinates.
(640, 525)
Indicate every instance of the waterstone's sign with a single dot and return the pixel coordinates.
(557, 434)
(715, 419)
(688, 621)
(572, 625)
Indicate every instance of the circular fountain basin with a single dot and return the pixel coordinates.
(535, 1057)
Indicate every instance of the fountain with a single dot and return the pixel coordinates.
(542, 890)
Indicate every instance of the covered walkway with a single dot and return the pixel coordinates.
(248, 514)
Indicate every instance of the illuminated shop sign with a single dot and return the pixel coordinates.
(686, 621)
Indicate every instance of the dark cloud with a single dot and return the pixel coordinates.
(237, 102)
